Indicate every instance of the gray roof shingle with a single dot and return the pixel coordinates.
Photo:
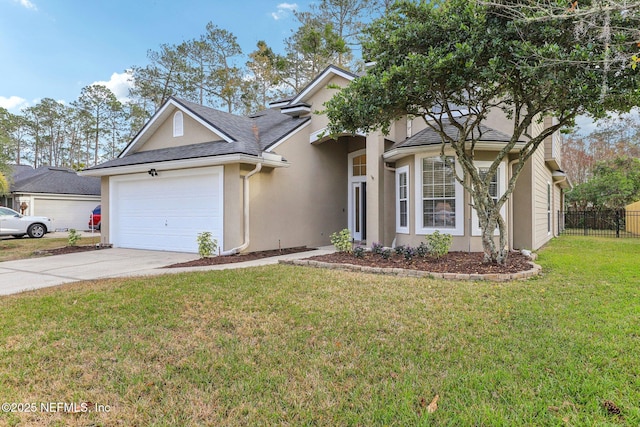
(53, 180)
(249, 135)
(430, 137)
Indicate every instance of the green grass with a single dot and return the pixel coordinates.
(12, 249)
(283, 345)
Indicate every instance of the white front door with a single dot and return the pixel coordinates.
(358, 195)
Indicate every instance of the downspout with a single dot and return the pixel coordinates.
(245, 244)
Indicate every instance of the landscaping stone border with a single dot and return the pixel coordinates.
(403, 272)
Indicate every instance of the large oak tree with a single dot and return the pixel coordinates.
(433, 59)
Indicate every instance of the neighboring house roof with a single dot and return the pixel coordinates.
(53, 180)
(21, 171)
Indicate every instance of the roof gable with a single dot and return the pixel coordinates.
(165, 114)
(321, 82)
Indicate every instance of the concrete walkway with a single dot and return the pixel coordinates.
(35, 273)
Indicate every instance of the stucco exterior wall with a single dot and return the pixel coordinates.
(194, 133)
(233, 207)
(304, 203)
(320, 121)
(104, 214)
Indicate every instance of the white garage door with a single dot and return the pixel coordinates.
(66, 214)
(166, 212)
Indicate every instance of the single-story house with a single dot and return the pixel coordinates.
(275, 179)
(55, 192)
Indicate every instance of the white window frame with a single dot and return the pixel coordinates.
(458, 230)
(502, 186)
(178, 124)
(352, 180)
(404, 170)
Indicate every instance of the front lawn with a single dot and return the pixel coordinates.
(302, 346)
(12, 248)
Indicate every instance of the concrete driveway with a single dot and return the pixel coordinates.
(35, 273)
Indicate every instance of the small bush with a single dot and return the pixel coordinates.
(422, 250)
(73, 237)
(386, 253)
(376, 248)
(439, 244)
(342, 240)
(206, 245)
(409, 253)
(399, 250)
(359, 252)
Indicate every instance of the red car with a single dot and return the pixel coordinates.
(94, 219)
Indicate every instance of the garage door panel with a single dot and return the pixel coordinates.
(167, 212)
(65, 213)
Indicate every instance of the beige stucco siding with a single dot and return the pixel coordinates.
(194, 133)
(304, 203)
(233, 207)
(320, 121)
(104, 220)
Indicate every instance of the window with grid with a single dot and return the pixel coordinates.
(493, 185)
(360, 165)
(438, 193)
(402, 199)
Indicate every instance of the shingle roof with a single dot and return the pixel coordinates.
(250, 135)
(430, 137)
(184, 152)
(47, 179)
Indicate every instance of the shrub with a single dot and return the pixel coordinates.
(342, 241)
(409, 253)
(359, 252)
(422, 250)
(206, 245)
(386, 253)
(439, 244)
(399, 250)
(73, 237)
(376, 248)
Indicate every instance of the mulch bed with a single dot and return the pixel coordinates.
(453, 262)
(228, 259)
(67, 250)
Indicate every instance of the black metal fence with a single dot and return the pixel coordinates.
(605, 223)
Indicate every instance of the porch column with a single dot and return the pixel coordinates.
(375, 189)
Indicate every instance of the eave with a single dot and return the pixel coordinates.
(267, 160)
(398, 153)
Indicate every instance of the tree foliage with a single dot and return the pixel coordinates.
(615, 184)
(433, 59)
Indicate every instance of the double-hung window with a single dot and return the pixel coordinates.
(402, 199)
(439, 197)
(497, 186)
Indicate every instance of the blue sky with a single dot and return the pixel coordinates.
(54, 48)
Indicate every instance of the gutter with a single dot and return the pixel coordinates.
(245, 244)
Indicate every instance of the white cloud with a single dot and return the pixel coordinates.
(13, 103)
(119, 85)
(283, 10)
(27, 4)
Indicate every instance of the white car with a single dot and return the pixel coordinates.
(14, 224)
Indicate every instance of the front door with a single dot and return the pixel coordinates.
(359, 202)
(358, 195)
